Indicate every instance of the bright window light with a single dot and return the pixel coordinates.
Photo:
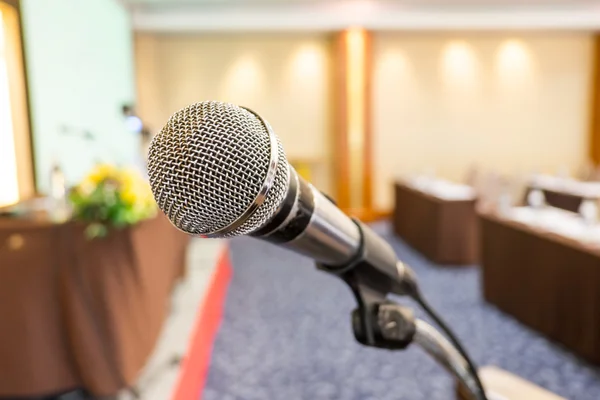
(9, 189)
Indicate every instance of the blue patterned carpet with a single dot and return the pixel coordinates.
(286, 335)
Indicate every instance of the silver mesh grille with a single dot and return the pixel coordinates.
(208, 165)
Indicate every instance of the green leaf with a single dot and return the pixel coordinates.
(96, 230)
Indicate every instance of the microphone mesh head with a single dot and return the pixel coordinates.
(208, 165)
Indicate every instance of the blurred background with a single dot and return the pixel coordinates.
(467, 132)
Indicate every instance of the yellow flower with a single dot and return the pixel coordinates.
(101, 172)
(136, 199)
(129, 196)
(134, 190)
(87, 186)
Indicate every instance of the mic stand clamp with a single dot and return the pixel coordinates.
(393, 326)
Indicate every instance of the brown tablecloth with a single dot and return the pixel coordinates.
(445, 231)
(566, 201)
(78, 312)
(549, 283)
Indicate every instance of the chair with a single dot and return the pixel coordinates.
(489, 191)
(472, 176)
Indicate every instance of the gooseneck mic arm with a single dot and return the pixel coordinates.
(438, 347)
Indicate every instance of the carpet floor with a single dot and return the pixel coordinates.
(286, 334)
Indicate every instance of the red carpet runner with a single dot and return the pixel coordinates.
(194, 367)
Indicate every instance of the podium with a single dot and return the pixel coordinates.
(80, 313)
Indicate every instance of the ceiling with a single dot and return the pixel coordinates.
(315, 15)
(444, 4)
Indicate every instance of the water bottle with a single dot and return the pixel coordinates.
(58, 211)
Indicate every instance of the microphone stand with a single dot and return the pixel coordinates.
(438, 347)
(385, 324)
(379, 322)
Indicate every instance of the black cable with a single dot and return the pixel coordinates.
(453, 339)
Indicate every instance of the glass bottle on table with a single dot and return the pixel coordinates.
(58, 208)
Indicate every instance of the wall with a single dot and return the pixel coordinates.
(508, 104)
(79, 65)
(284, 77)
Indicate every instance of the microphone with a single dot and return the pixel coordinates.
(218, 170)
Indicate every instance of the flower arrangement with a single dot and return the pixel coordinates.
(111, 197)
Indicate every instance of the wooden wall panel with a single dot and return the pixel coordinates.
(367, 199)
(353, 133)
(595, 104)
(341, 153)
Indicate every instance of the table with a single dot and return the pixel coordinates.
(546, 277)
(563, 192)
(79, 313)
(439, 223)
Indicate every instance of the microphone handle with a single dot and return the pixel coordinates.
(308, 223)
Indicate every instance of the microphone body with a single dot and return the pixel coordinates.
(194, 167)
